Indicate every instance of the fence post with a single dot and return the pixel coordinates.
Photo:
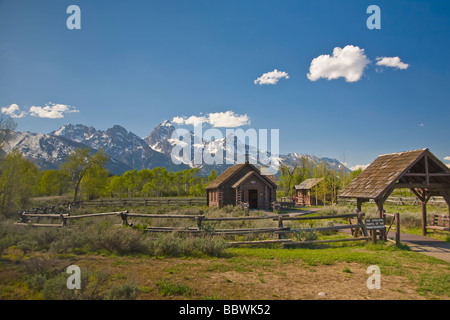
(124, 217)
(360, 219)
(280, 225)
(63, 220)
(199, 222)
(22, 218)
(397, 228)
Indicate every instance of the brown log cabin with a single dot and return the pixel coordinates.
(304, 193)
(242, 183)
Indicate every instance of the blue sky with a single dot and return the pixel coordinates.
(137, 63)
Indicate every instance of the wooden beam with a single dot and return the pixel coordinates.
(387, 194)
(427, 178)
(416, 174)
(288, 244)
(418, 195)
(421, 185)
(446, 195)
(320, 229)
(259, 242)
(425, 198)
(359, 203)
(380, 204)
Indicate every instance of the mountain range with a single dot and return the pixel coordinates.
(127, 151)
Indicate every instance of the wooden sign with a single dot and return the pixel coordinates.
(375, 224)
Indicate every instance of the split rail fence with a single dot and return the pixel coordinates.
(144, 202)
(355, 225)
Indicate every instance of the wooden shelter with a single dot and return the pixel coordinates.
(242, 183)
(418, 170)
(305, 195)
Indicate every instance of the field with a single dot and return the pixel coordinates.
(126, 263)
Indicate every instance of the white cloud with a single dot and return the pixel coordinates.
(227, 119)
(393, 62)
(447, 158)
(271, 77)
(359, 166)
(192, 120)
(348, 62)
(13, 111)
(52, 111)
(420, 125)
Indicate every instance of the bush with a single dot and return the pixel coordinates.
(45, 266)
(305, 235)
(127, 291)
(121, 240)
(175, 245)
(92, 287)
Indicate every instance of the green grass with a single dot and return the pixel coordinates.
(436, 284)
(169, 288)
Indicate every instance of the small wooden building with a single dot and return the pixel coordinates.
(242, 183)
(305, 195)
(418, 170)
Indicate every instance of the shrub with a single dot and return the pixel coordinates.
(36, 282)
(121, 240)
(127, 291)
(305, 235)
(45, 266)
(175, 245)
(92, 287)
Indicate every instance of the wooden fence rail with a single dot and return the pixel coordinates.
(143, 202)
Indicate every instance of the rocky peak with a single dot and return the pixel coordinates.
(158, 139)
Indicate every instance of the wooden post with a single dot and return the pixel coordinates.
(380, 204)
(63, 220)
(124, 217)
(373, 233)
(360, 219)
(199, 223)
(280, 225)
(359, 203)
(397, 228)
(424, 218)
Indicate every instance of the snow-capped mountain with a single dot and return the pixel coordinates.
(127, 151)
(122, 145)
(45, 150)
(159, 139)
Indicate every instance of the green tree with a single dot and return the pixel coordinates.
(116, 186)
(54, 182)
(94, 183)
(18, 180)
(212, 176)
(287, 178)
(78, 164)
